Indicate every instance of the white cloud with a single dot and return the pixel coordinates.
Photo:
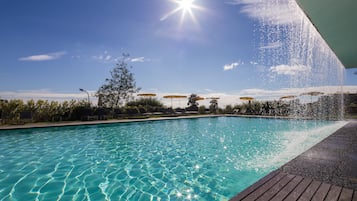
(107, 58)
(263, 94)
(253, 63)
(230, 66)
(271, 11)
(44, 94)
(138, 59)
(290, 70)
(104, 57)
(44, 57)
(272, 45)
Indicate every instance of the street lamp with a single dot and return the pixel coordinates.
(83, 90)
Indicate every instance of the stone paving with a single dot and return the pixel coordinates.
(333, 160)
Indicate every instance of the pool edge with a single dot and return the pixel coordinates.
(97, 122)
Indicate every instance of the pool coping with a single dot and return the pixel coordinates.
(114, 121)
(97, 122)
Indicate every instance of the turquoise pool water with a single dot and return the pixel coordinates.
(186, 159)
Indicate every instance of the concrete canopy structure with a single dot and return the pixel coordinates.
(336, 21)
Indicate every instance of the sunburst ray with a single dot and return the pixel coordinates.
(186, 7)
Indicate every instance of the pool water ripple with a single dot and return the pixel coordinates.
(188, 159)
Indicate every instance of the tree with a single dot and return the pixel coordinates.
(202, 109)
(151, 102)
(229, 109)
(192, 102)
(145, 104)
(11, 109)
(213, 106)
(120, 87)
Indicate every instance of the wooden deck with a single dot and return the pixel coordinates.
(282, 186)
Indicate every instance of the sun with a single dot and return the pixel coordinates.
(183, 6)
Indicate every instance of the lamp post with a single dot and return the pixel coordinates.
(83, 90)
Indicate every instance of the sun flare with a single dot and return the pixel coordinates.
(183, 6)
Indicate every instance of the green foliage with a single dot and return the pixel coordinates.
(132, 110)
(213, 106)
(11, 109)
(120, 87)
(41, 110)
(192, 103)
(192, 100)
(256, 107)
(145, 102)
(229, 109)
(202, 109)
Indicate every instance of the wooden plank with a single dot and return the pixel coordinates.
(310, 191)
(261, 190)
(334, 193)
(321, 193)
(287, 189)
(346, 194)
(276, 188)
(296, 193)
(255, 186)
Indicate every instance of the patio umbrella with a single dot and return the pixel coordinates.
(287, 97)
(146, 95)
(213, 98)
(174, 96)
(198, 98)
(246, 98)
(249, 99)
(311, 94)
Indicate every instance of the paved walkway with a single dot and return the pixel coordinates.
(327, 171)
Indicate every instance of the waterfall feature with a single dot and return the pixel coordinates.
(294, 53)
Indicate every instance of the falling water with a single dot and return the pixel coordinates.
(295, 54)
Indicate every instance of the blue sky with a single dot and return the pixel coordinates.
(56, 47)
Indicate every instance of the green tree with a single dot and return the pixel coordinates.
(42, 110)
(11, 109)
(192, 101)
(213, 107)
(120, 87)
(147, 102)
(202, 109)
(229, 109)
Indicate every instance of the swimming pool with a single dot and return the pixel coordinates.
(183, 159)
